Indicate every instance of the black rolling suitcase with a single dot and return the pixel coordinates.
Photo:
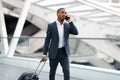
(32, 75)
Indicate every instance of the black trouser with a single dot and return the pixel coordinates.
(64, 61)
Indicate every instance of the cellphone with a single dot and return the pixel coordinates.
(67, 17)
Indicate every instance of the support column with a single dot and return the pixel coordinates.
(19, 28)
(3, 32)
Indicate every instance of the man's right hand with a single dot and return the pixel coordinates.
(44, 58)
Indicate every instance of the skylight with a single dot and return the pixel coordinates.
(52, 2)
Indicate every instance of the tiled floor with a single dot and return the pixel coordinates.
(8, 72)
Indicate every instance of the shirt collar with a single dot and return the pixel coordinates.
(59, 22)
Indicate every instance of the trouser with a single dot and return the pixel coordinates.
(63, 59)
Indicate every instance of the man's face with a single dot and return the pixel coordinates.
(61, 14)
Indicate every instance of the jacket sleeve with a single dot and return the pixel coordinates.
(73, 29)
(47, 41)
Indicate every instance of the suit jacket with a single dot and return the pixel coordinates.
(52, 38)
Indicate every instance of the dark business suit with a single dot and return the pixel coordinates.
(57, 55)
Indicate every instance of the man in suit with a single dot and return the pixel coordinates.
(57, 43)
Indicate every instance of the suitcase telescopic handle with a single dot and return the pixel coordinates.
(37, 69)
(41, 67)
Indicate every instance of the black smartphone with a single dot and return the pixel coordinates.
(67, 17)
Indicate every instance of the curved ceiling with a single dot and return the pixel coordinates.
(101, 11)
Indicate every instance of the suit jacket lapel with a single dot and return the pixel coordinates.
(56, 29)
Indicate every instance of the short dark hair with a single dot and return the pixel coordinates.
(59, 9)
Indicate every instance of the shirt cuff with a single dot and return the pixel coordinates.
(43, 55)
(70, 22)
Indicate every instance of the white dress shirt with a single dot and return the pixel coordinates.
(60, 28)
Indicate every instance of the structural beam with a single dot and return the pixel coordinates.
(3, 31)
(19, 27)
(41, 12)
(101, 6)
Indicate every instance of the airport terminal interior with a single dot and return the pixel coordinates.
(94, 52)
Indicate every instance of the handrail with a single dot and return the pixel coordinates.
(70, 38)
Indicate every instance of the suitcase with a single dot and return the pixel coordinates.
(32, 75)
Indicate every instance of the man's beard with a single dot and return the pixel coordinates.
(62, 19)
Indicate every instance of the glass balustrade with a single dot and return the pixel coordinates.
(96, 52)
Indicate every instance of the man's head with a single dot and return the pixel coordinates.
(61, 13)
